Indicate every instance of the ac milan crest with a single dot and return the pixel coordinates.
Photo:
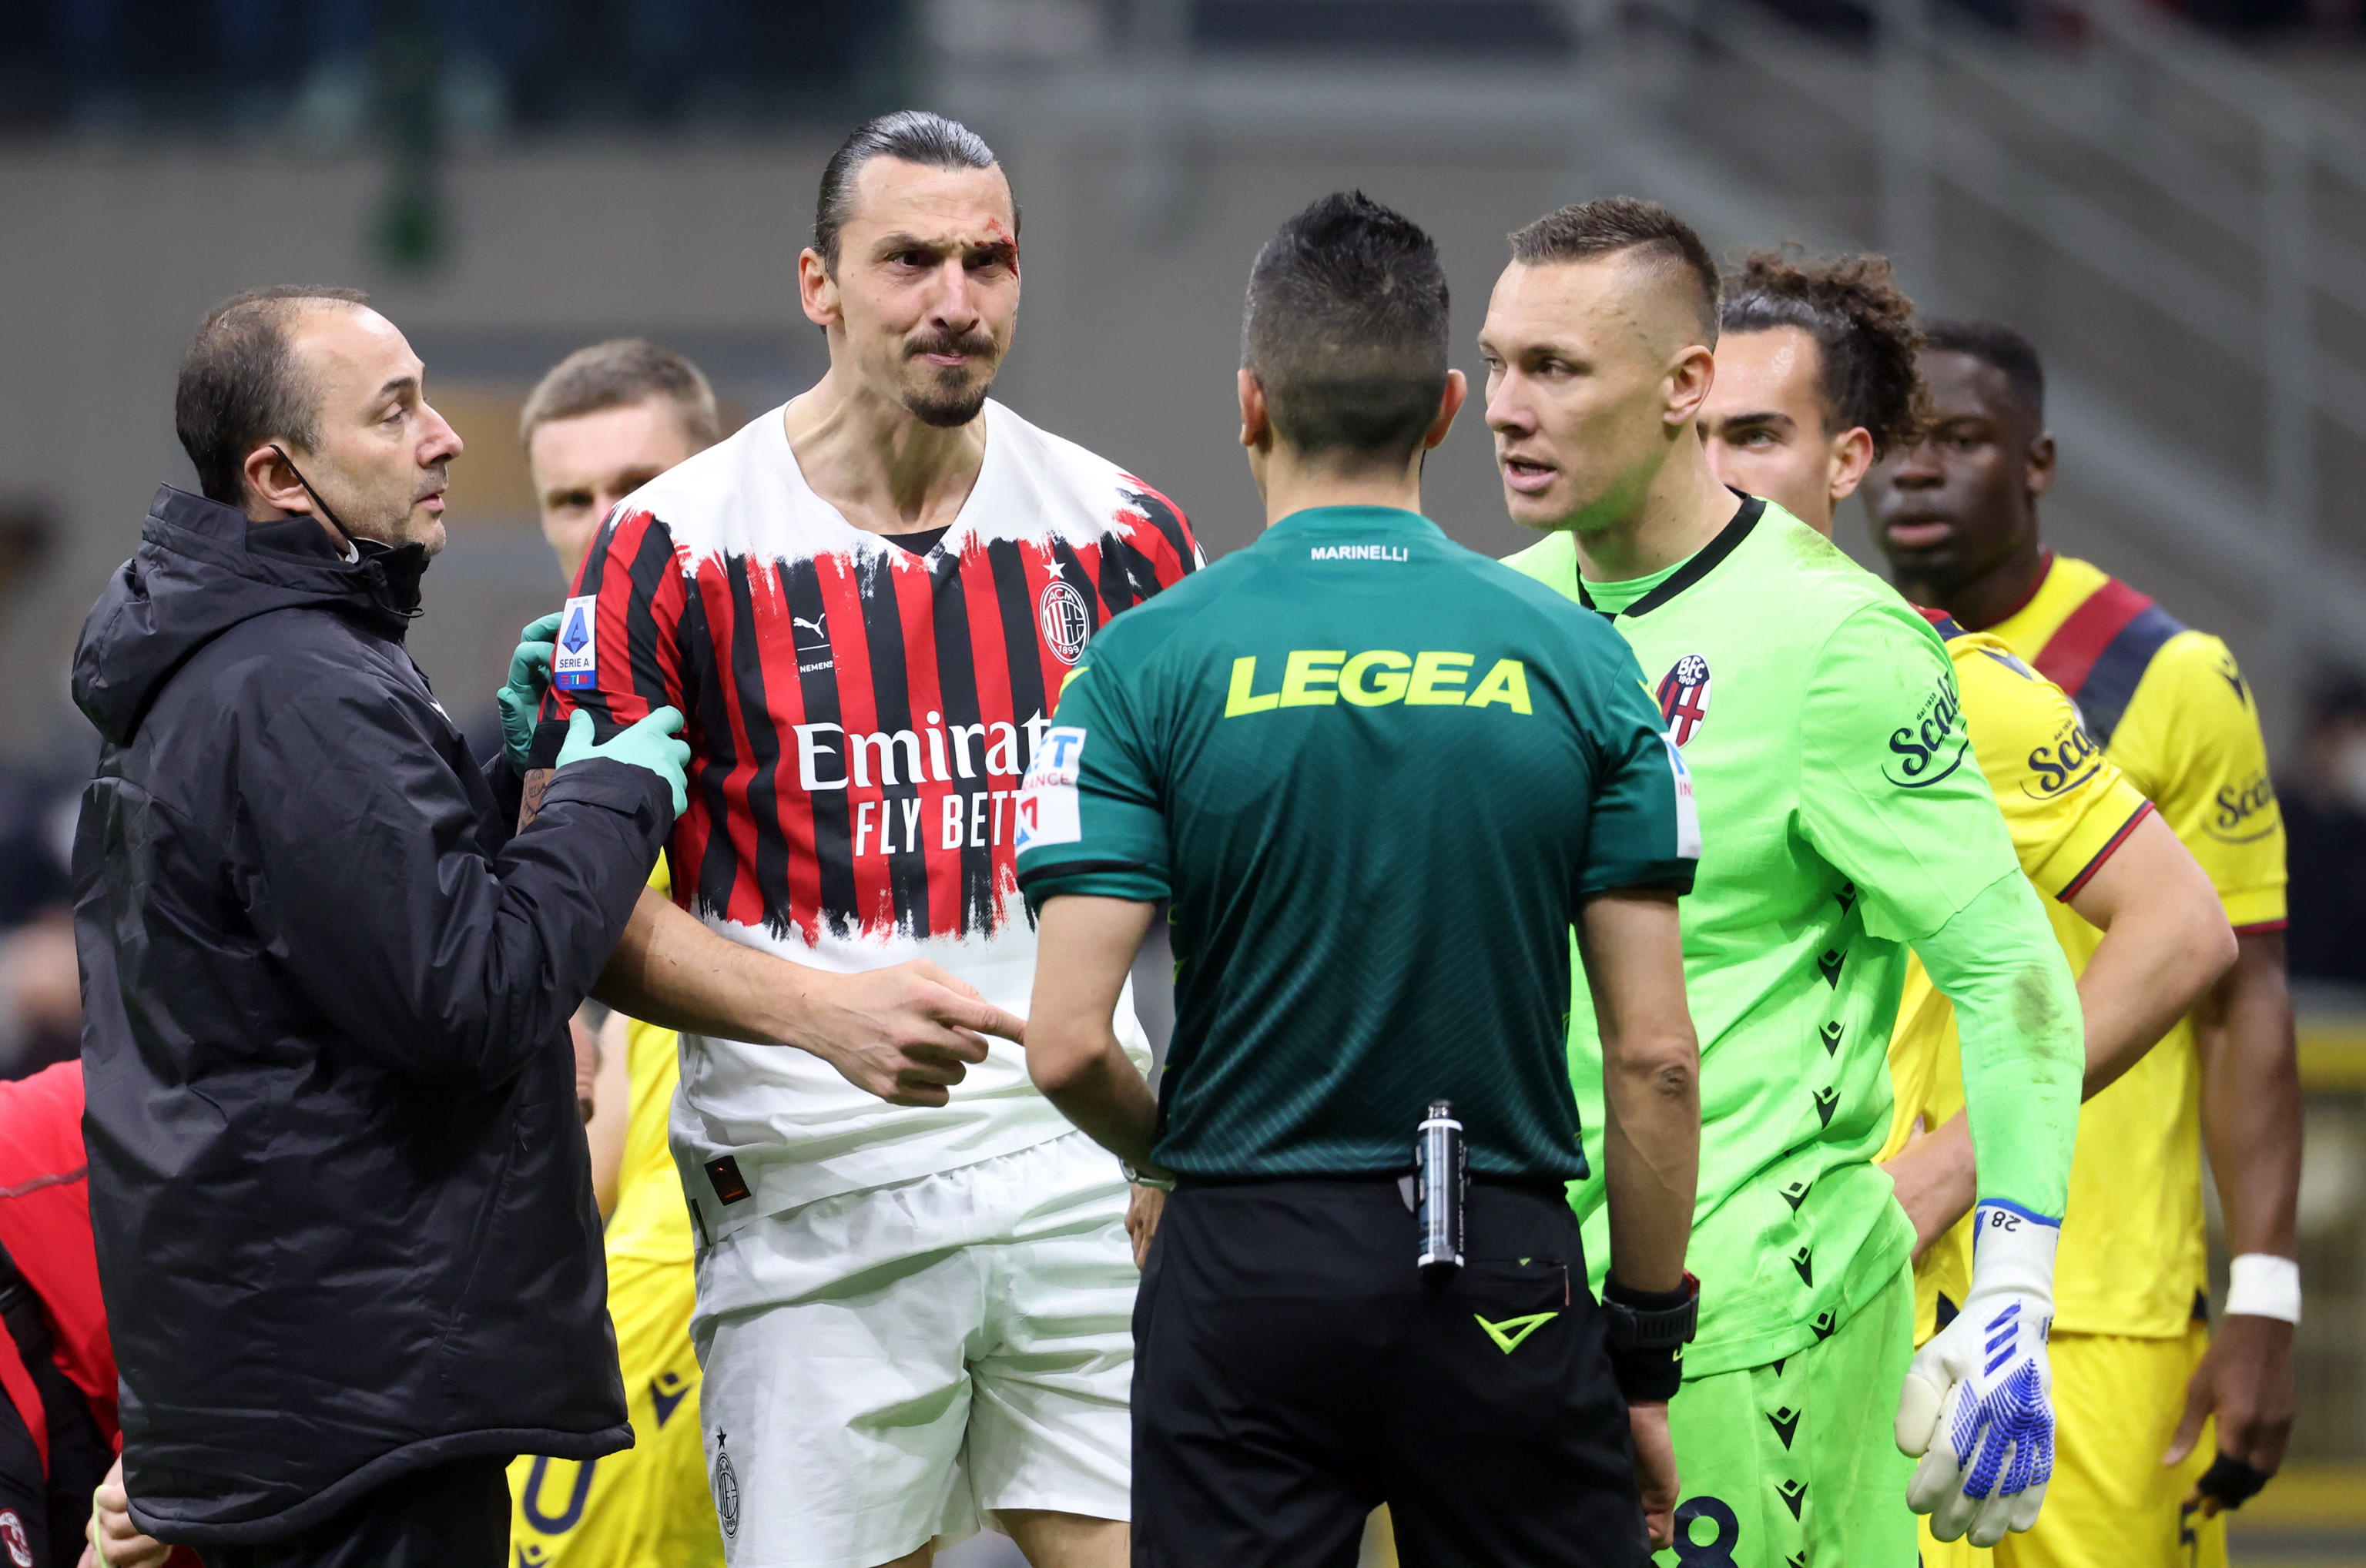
(1066, 623)
(1684, 697)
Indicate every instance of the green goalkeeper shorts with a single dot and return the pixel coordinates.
(1794, 1464)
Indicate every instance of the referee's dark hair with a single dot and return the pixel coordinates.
(1613, 224)
(1999, 345)
(241, 385)
(1864, 332)
(1346, 330)
(916, 136)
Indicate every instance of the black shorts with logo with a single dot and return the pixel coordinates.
(1292, 1371)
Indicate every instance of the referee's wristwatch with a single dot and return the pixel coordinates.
(1649, 1331)
(1156, 1183)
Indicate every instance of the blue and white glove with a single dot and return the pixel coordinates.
(1977, 1406)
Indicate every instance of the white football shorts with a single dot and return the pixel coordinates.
(884, 1368)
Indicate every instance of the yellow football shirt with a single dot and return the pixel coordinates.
(2067, 808)
(2171, 708)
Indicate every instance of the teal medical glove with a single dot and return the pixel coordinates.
(648, 744)
(520, 699)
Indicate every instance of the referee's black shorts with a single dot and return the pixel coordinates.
(1292, 1371)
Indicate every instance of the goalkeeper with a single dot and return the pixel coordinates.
(1845, 821)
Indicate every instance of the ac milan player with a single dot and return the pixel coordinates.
(914, 1284)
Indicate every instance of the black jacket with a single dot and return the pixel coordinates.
(337, 1176)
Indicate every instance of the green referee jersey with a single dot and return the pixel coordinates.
(1844, 817)
(1377, 775)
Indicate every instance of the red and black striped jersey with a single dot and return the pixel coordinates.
(859, 717)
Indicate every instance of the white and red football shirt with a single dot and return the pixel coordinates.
(859, 717)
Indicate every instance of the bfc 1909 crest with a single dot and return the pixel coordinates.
(1684, 696)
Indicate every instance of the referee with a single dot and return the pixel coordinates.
(1379, 778)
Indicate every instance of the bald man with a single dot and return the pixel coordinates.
(1843, 822)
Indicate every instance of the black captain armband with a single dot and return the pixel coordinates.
(1649, 1331)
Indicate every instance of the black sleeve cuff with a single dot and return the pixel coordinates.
(635, 792)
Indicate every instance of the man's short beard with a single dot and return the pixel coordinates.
(948, 408)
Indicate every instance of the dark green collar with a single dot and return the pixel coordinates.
(1354, 520)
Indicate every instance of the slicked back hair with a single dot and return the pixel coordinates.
(917, 136)
(1864, 330)
(1613, 224)
(619, 373)
(1999, 345)
(1345, 328)
(241, 385)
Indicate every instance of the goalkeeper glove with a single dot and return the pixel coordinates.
(1978, 1405)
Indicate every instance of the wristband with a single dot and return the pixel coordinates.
(1647, 1334)
(2260, 1284)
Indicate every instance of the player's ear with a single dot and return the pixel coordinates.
(2040, 466)
(816, 291)
(1256, 423)
(1449, 404)
(1852, 456)
(1690, 375)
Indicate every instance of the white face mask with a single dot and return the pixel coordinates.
(2349, 773)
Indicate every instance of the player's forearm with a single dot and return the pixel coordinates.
(669, 970)
(2251, 1099)
(2161, 949)
(2018, 1020)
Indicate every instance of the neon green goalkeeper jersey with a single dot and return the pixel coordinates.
(1843, 817)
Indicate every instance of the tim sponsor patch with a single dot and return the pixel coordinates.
(574, 661)
(1047, 797)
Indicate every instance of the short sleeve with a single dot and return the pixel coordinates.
(1089, 818)
(618, 655)
(2191, 740)
(1642, 830)
(1890, 792)
(2067, 806)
